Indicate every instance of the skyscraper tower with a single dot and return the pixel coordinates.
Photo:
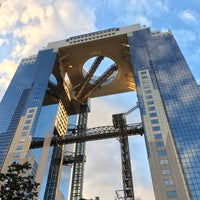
(53, 85)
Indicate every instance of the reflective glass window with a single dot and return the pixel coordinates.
(166, 171)
(153, 114)
(144, 77)
(147, 91)
(24, 133)
(158, 136)
(149, 97)
(156, 128)
(150, 102)
(17, 154)
(160, 144)
(19, 147)
(154, 121)
(31, 110)
(28, 121)
(168, 182)
(146, 86)
(25, 127)
(21, 139)
(171, 194)
(162, 152)
(151, 108)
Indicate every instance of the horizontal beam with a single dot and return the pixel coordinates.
(97, 133)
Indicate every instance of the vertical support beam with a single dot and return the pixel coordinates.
(54, 173)
(78, 169)
(119, 121)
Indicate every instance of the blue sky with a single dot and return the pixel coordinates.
(27, 26)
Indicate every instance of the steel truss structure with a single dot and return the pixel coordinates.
(80, 135)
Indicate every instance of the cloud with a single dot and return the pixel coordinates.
(189, 17)
(37, 25)
(10, 16)
(3, 41)
(150, 7)
(7, 70)
(103, 168)
(185, 37)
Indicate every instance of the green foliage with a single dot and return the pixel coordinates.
(16, 184)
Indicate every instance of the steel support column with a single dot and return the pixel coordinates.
(78, 168)
(119, 121)
(54, 173)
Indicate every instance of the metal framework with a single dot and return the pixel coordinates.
(78, 167)
(54, 173)
(81, 135)
(91, 134)
(119, 121)
(84, 90)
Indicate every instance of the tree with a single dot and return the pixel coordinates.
(17, 184)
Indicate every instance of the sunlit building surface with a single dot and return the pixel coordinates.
(48, 88)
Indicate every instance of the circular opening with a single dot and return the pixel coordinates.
(104, 65)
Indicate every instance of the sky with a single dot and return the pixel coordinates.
(27, 26)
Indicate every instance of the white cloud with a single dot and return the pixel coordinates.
(3, 41)
(185, 37)
(36, 25)
(31, 13)
(150, 7)
(7, 70)
(9, 16)
(189, 17)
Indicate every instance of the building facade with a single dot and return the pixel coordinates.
(51, 86)
(169, 103)
(25, 114)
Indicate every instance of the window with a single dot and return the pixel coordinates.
(164, 162)
(168, 182)
(21, 139)
(149, 96)
(26, 128)
(24, 133)
(162, 152)
(160, 144)
(145, 82)
(19, 147)
(148, 92)
(154, 121)
(146, 86)
(144, 72)
(150, 102)
(151, 108)
(153, 114)
(158, 136)
(28, 121)
(144, 77)
(16, 154)
(31, 110)
(166, 171)
(30, 116)
(171, 194)
(156, 128)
